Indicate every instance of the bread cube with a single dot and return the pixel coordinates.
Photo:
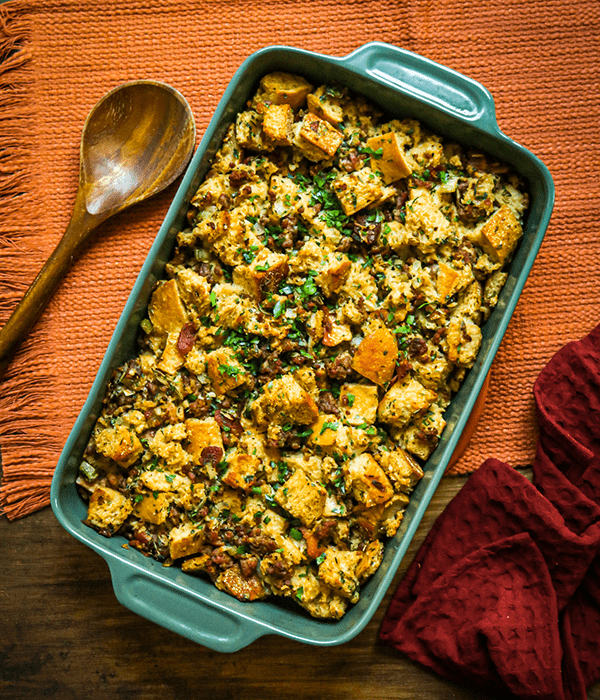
(225, 371)
(334, 333)
(451, 280)
(426, 223)
(404, 400)
(338, 570)
(284, 401)
(241, 471)
(211, 190)
(321, 133)
(358, 403)
(500, 234)
(166, 310)
(330, 435)
(388, 157)
(334, 273)
(367, 480)
(241, 587)
(185, 540)
(228, 239)
(302, 498)
(202, 432)
(370, 561)
(249, 132)
(463, 339)
(119, 443)
(108, 509)
(264, 274)
(286, 197)
(375, 358)
(194, 290)
(277, 124)
(153, 507)
(166, 443)
(357, 190)
(402, 470)
(326, 102)
(421, 435)
(284, 88)
(383, 519)
(324, 430)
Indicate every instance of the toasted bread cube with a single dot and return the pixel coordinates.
(153, 507)
(185, 540)
(463, 338)
(338, 570)
(320, 133)
(119, 443)
(375, 358)
(202, 432)
(385, 518)
(367, 480)
(421, 435)
(283, 401)
(330, 435)
(264, 274)
(357, 190)
(168, 316)
(370, 561)
(236, 584)
(277, 124)
(335, 333)
(194, 289)
(225, 234)
(225, 371)
(402, 470)
(286, 197)
(166, 310)
(404, 400)
(450, 280)
(326, 104)
(249, 132)
(500, 234)
(284, 88)
(324, 430)
(302, 498)
(305, 147)
(241, 472)
(108, 509)
(359, 403)
(333, 275)
(388, 157)
(425, 221)
(162, 481)
(202, 563)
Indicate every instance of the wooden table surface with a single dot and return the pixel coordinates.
(65, 636)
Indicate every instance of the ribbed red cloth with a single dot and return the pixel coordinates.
(505, 590)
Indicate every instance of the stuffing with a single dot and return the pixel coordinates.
(322, 305)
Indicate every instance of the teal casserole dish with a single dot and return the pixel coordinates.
(403, 85)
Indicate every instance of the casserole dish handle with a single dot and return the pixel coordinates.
(172, 605)
(442, 87)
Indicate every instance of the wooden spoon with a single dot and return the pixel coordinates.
(135, 142)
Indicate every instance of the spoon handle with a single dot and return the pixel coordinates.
(45, 284)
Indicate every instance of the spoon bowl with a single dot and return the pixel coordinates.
(135, 142)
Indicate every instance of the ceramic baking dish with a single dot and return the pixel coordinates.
(403, 84)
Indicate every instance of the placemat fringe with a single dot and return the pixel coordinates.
(26, 478)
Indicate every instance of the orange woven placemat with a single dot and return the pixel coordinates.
(539, 58)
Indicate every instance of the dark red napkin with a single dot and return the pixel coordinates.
(504, 593)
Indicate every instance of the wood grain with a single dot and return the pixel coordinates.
(65, 636)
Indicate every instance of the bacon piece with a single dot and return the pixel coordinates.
(187, 337)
